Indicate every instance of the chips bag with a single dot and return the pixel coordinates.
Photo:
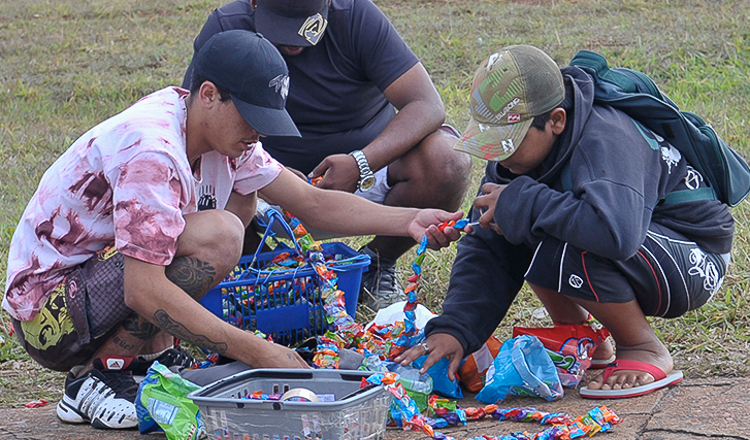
(474, 367)
(162, 404)
(569, 346)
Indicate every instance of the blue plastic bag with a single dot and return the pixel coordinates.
(439, 374)
(522, 367)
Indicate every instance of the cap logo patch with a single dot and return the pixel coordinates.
(312, 29)
(515, 88)
(280, 83)
(508, 147)
(513, 118)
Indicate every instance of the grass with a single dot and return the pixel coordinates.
(66, 65)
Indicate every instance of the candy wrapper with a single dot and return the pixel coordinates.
(473, 371)
(569, 346)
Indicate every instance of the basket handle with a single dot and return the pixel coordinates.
(275, 215)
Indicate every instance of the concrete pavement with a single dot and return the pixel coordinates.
(715, 408)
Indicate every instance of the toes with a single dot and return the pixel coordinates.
(626, 379)
(597, 383)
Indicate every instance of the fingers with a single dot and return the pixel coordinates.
(453, 368)
(319, 170)
(410, 355)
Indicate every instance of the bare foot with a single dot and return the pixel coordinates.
(604, 351)
(654, 353)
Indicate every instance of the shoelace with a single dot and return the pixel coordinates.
(121, 383)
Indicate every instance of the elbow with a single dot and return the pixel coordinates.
(621, 251)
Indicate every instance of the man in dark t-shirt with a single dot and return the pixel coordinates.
(369, 115)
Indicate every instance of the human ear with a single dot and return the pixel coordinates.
(254, 4)
(558, 117)
(208, 93)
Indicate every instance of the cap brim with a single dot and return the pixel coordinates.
(283, 30)
(267, 121)
(492, 142)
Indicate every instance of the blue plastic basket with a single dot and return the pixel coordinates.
(285, 304)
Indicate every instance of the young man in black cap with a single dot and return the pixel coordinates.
(573, 202)
(350, 72)
(111, 255)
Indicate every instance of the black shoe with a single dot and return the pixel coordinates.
(380, 286)
(103, 397)
(173, 357)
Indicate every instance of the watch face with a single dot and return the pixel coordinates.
(367, 183)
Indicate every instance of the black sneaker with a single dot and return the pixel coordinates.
(104, 397)
(380, 286)
(173, 358)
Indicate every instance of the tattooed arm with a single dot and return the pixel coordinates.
(165, 298)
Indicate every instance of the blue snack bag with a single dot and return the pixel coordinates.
(522, 367)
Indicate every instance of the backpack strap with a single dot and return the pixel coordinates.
(688, 195)
(598, 63)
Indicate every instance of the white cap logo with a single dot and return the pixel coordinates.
(312, 29)
(281, 85)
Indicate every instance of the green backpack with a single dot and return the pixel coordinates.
(637, 95)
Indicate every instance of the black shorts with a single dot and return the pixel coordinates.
(668, 276)
(79, 315)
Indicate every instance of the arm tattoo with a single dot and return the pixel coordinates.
(192, 275)
(163, 320)
(139, 327)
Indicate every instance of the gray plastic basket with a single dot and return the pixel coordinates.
(345, 410)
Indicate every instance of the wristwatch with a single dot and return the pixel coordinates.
(366, 176)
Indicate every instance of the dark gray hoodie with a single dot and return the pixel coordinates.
(599, 189)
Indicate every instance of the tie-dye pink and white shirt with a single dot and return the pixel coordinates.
(126, 181)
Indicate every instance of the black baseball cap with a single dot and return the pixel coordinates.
(292, 22)
(250, 68)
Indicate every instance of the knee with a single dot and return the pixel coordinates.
(214, 236)
(441, 164)
(444, 167)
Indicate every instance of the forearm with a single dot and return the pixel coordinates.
(411, 124)
(152, 296)
(346, 214)
(420, 113)
(336, 211)
(487, 274)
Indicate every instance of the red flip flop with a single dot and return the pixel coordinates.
(598, 364)
(661, 380)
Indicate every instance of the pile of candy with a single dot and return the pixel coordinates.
(381, 343)
(447, 413)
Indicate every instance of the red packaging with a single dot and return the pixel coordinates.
(569, 346)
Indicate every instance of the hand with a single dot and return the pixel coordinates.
(278, 356)
(425, 223)
(339, 171)
(442, 345)
(486, 204)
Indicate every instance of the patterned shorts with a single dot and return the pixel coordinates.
(79, 315)
(668, 276)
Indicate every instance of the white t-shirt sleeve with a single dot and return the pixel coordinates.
(255, 169)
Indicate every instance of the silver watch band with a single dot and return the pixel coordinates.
(366, 176)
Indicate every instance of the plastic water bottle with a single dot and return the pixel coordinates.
(411, 379)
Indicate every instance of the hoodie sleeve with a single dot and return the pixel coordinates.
(487, 274)
(609, 219)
